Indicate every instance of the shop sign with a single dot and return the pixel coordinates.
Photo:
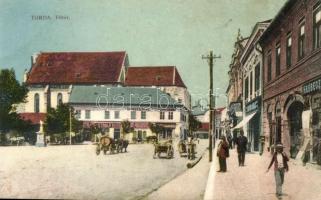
(253, 105)
(312, 86)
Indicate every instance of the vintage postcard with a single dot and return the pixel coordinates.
(160, 100)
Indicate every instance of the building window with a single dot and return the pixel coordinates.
(170, 115)
(251, 84)
(317, 26)
(289, 50)
(257, 77)
(269, 67)
(246, 88)
(116, 133)
(116, 113)
(107, 114)
(179, 100)
(301, 41)
(77, 114)
(133, 114)
(277, 59)
(59, 99)
(143, 115)
(162, 115)
(87, 114)
(36, 102)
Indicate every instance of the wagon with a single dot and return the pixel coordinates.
(104, 144)
(165, 147)
(109, 144)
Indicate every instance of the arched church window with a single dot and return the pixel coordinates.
(36, 102)
(59, 99)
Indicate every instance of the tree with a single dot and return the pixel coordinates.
(194, 124)
(11, 94)
(156, 128)
(58, 120)
(126, 128)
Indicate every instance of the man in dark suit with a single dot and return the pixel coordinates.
(241, 143)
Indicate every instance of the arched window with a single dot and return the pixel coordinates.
(59, 99)
(36, 102)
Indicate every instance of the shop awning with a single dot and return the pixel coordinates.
(244, 121)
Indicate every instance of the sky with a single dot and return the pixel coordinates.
(152, 32)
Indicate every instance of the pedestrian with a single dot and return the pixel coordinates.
(241, 143)
(230, 141)
(222, 154)
(280, 160)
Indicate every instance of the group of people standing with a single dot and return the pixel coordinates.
(223, 150)
(279, 158)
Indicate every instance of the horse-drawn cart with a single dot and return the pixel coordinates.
(164, 147)
(109, 144)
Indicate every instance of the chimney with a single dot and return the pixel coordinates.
(174, 75)
(34, 58)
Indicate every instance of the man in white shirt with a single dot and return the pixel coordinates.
(280, 160)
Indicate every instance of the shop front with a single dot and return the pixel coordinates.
(312, 93)
(235, 116)
(252, 128)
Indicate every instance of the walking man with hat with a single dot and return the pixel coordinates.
(280, 160)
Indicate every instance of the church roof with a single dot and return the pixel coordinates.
(76, 68)
(153, 76)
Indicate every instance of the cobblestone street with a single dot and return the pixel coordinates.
(251, 182)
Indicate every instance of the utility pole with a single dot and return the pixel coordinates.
(210, 59)
(70, 110)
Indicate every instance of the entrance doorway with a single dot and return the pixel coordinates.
(295, 127)
(254, 132)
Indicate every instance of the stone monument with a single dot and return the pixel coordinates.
(40, 136)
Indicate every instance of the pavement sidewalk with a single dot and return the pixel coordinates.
(251, 182)
(188, 186)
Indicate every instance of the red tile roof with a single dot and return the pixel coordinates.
(76, 67)
(153, 76)
(34, 118)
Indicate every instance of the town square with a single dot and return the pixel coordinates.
(182, 100)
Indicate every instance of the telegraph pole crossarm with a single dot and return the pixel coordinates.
(210, 58)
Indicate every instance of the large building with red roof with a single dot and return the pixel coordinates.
(167, 78)
(53, 74)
